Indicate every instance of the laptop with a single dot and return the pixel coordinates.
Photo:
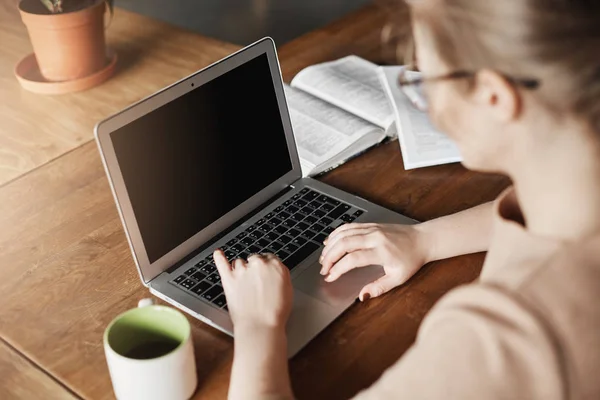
(211, 162)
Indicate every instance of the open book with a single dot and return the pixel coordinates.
(341, 108)
(338, 110)
(421, 144)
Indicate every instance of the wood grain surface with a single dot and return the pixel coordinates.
(37, 128)
(66, 269)
(21, 380)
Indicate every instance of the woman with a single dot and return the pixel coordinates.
(516, 83)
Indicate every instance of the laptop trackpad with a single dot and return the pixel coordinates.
(341, 292)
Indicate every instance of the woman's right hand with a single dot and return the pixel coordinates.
(398, 248)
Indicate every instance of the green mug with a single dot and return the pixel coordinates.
(150, 355)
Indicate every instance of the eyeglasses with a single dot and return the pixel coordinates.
(412, 84)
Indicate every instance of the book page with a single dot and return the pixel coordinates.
(420, 142)
(325, 134)
(352, 84)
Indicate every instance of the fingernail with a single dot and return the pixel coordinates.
(328, 278)
(366, 297)
(325, 241)
(322, 272)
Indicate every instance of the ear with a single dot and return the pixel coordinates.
(496, 92)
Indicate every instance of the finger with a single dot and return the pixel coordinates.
(342, 247)
(349, 262)
(350, 232)
(377, 288)
(345, 227)
(254, 257)
(238, 263)
(222, 264)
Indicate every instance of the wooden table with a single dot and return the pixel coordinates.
(66, 269)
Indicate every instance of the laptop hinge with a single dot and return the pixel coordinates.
(229, 229)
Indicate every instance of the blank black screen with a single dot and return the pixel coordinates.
(191, 161)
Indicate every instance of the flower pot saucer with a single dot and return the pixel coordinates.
(29, 76)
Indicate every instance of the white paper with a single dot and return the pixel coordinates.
(352, 84)
(326, 135)
(420, 142)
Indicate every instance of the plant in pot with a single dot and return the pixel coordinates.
(67, 36)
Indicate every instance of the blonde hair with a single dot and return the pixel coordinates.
(554, 41)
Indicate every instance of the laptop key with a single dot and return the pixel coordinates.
(274, 246)
(214, 278)
(290, 248)
(320, 238)
(310, 196)
(238, 247)
(279, 208)
(293, 232)
(247, 240)
(282, 254)
(317, 227)
(285, 239)
(188, 283)
(300, 255)
(287, 202)
(289, 223)
(231, 242)
(299, 241)
(328, 229)
(208, 269)
(201, 287)
(315, 204)
(292, 209)
(307, 210)
(339, 210)
(311, 219)
(347, 218)
(212, 293)
(358, 213)
(270, 215)
(275, 221)
(260, 221)
(251, 228)
(300, 203)
(265, 228)
(243, 255)
(241, 235)
(230, 254)
(325, 221)
(199, 275)
(253, 249)
(296, 196)
(284, 215)
(281, 229)
(298, 217)
(220, 301)
(302, 226)
(179, 279)
(200, 263)
(319, 213)
(263, 242)
(190, 271)
(327, 207)
(308, 234)
(271, 236)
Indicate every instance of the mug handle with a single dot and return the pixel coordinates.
(145, 302)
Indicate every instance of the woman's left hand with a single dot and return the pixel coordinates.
(258, 291)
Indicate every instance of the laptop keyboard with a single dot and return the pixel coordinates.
(292, 231)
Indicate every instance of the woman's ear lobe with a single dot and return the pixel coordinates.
(496, 92)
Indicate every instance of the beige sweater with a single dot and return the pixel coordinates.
(529, 328)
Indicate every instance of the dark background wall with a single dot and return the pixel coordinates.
(244, 21)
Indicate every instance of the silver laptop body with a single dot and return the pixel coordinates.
(211, 159)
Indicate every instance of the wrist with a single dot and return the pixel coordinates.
(424, 242)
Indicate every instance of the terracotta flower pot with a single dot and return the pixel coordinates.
(68, 45)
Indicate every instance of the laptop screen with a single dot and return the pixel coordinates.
(191, 161)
